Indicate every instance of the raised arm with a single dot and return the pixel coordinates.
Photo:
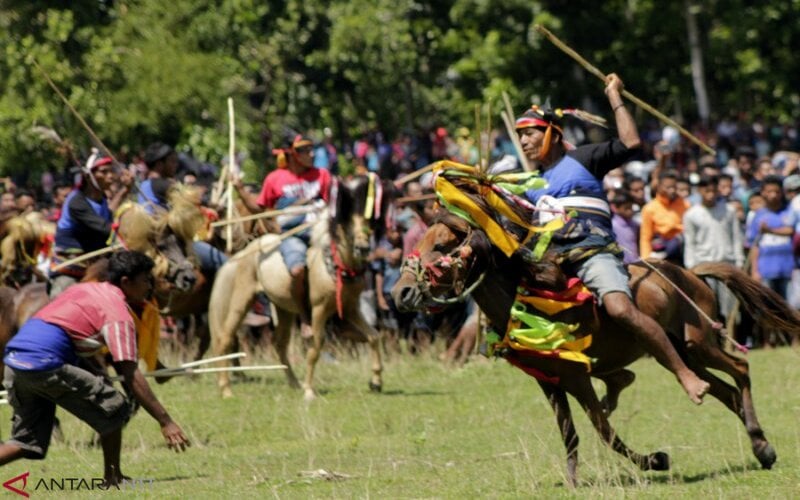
(626, 127)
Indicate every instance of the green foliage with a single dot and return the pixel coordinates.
(145, 70)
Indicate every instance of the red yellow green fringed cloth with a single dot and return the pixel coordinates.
(529, 334)
(498, 191)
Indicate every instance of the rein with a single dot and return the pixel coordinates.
(342, 271)
(716, 325)
(427, 275)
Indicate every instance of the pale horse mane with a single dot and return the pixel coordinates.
(140, 231)
(26, 231)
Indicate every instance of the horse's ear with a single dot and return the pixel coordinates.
(342, 201)
(386, 216)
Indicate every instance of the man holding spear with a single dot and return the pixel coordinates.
(85, 222)
(49, 362)
(587, 241)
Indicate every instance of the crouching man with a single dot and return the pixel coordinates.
(50, 362)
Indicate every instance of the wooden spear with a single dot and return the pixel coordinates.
(298, 210)
(508, 120)
(87, 256)
(413, 175)
(599, 74)
(231, 170)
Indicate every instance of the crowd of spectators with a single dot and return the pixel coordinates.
(674, 202)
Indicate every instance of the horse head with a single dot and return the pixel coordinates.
(166, 238)
(360, 214)
(448, 263)
(454, 258)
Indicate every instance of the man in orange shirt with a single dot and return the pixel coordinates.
(661, 232)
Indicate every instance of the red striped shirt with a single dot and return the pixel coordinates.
(94, 315)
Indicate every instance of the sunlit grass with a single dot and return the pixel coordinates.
(481, 431)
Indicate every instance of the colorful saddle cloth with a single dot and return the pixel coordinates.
(530, 332)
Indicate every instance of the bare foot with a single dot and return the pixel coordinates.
(696, 388)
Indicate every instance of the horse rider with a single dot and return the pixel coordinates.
(86, 217)
(162, 163)
(295, 182)
(587, 241)
(50, 362)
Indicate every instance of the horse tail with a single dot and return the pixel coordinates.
(758, 301)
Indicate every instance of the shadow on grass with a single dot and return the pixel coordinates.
(401, 392)
(170, 479)
(666, 479)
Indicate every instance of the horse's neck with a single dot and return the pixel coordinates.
(345, 252)
(495, 295)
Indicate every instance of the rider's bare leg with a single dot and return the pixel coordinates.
(620, 307)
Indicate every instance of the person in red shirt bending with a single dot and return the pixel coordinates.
(50, 362)
(295, 182)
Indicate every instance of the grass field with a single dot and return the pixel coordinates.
(482, 431)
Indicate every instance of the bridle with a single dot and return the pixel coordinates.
(427, 275)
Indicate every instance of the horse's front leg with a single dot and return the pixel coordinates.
(373, 338)
(615, 383)
(280, 341)
(319, 315)
(558, 401)
(581, 388)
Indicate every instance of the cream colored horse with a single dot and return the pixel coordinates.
(260, 267)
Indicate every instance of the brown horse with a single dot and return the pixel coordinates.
(16, 307)
(337, 258)
(462, 260)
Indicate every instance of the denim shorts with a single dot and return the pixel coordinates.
(293, 250)
(604, 273)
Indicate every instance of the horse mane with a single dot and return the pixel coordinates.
(184, 218)
(27, 231)
(137, 228)
(469, 187)
(545, 274)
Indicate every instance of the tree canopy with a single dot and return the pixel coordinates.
(146, 70)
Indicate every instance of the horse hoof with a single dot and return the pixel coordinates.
(373, 387)
(658, 461)
(766, 456)
(227, 393)
(309, 396)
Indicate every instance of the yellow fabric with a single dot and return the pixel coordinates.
(148, 334)
(553, 306)
(548, 306)
(566, 355)
(370, 197)
(506, 242)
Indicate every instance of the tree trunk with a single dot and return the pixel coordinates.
(696, 55)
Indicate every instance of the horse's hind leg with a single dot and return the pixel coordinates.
(581, 388)
(231, 298)
(373, 338)
(280, 340)
(615, 383)
(558, 401)
(738, 401)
